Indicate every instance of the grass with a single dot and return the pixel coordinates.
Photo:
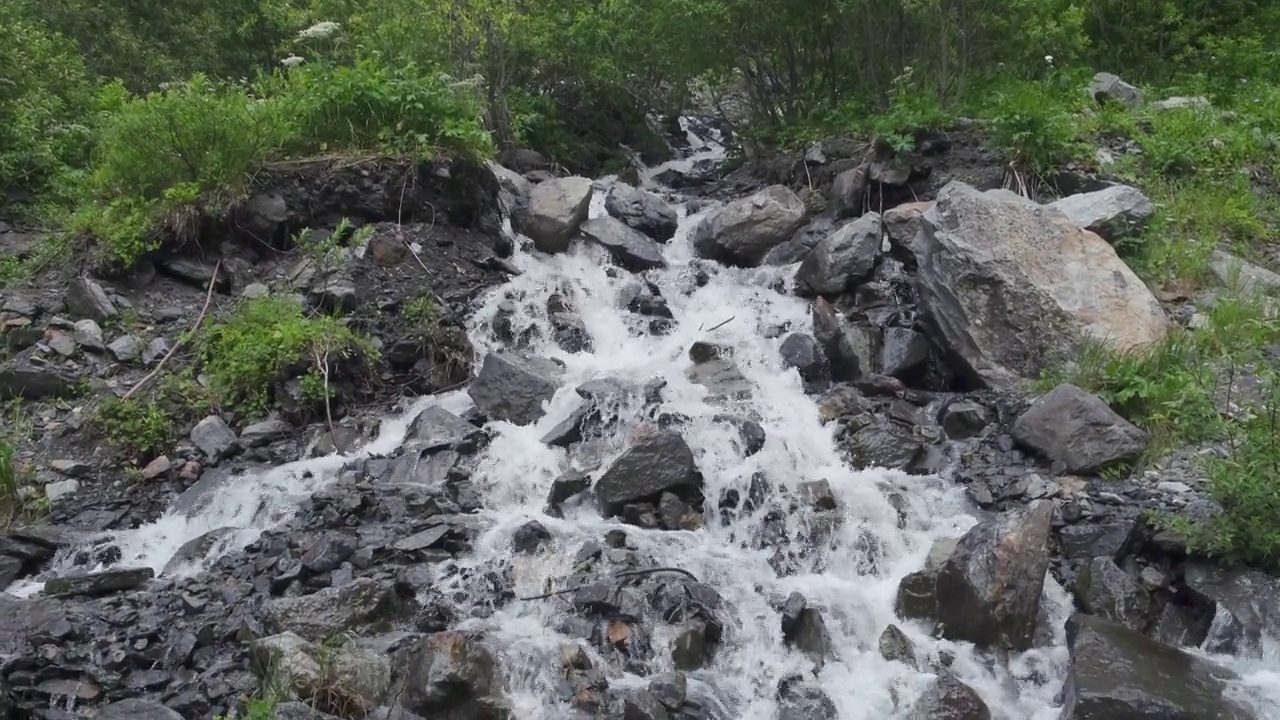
(21, 503)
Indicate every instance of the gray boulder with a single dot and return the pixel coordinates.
(903, 351)
(1071, 426)
(1113, 212)
(1120, 673)
(949, 699)
(801, 243)
(848, 191)
(902, 225)
(136, 709)
(1011, 287)
(630, 248)
(1106, 87)
(744, 231)
(513, 191)
(265, 432)
(436, 428)
(365, 605)
(86, 299)
(556, 208)
(656, 464)
(844, 257)
(514, 387)
(642, 211)
(214, 438)
(1105, 590)
(848, 351)
(449, 675)
(1244, 603)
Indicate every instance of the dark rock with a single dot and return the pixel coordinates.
(1103, 589)
(644, 706)
(801, 351)
(642, 211)
(963, 419)
(125, 348)
(194, 273)
(566, 486)
(214, 438)
(904, 352)
(848, 192)
(846, 256)
(801, 243)
(845, 357)
(895, 646)
(365, 605)
(529, 537)
(676, 514)
(805, 630)
(437, 429)
(949, 699)
(615, 538)
(798, 700)
(884, 442)
(989, 589)
(742, 232)
(514, 388)
(1106, 87)
(97, 584)
(1245, 605)
(1088, 541)
(656, 464)
(629, 248)
(670, 689)
(20, 377)
(449, 674)
(136, 709)
(691, 648)
(265, 432)
(1120, 673)
(1070, 426)
(85, 298)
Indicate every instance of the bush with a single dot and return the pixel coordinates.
(139, 427)
(268, 340)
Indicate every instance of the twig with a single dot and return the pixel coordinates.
(615, 576)
(717, 327)
(208, 297)
(328, 412)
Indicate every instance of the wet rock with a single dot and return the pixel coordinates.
(988, 590)
(902, 224)
(885, 442)
(804, 629)
(798, 700)
(1071, 426)
(88, 335)
(86, 299)
(125, 348)
(1120, 673)
(629, 248)
(514, 387)
(801, 351)
(656, 464)
(529, 537)
(556, 209)
(1106, 87)
(513, 190)
(644, 706)
(365, 605)
(801, 243)
(642, 211)
(265, 432)
(196, 549)
(22, 377)
(949, 699)
(1103, 539)
(691, 648)
(345, 676)
(23, 554)
(566, 486)
(1115, 212)
(742, 232)
(449, 674)
(904, 352)
(1244, 603)
(437, 429)
(107, 582)
(1010, 287)
(722, 378)
(677, 515)
(847, 358)
(136, 709)
(570, 332)
(895, 646)
(845, 257)
(1103, 589)
(848, 192)
(214, 438)
(671, 689)
(963, 419)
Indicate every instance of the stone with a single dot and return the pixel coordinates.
(71, 468)
(513, 190)
(798, 700)
(806, 631)
(61, 488)
(629, 248)
(691, 648)
(529, 537)
(644, 706)
(1103, 589)
(136, 709)
(438, 429)
(1087, 541)
(843, 258)
(125, 348)
(214, 438)
(157, 468)
(744, 231)
(847, 358)
(98, 584)
(20, 377)
(656, 464)
(963, 419)
(1077, 429)
(802, 242)
(254, 291)
(642, 211)
(1115, 212)
(1120, 673)
(155, 352)
(88, 335)
(514, 388)
(949, 699)
(801, 351)
(345, 676)
(1232, 271)
(895, 646)
(1244, 603)
(989, 589)
(904, 352)
(449, 674)
(86, 299)
(1106, 87)
(884, 442)
(556, 209)
(902, 225)
(1010, 287)
(848, 192)
(265, 432)
(366, 605)
(60, 342)
(671, 689)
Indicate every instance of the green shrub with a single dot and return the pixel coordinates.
(138, 426)
(267, 340)
(1037, 122)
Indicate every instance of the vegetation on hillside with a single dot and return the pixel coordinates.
(115, 125)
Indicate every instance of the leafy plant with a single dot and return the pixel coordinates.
(139, 427)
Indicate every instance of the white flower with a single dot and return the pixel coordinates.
(319, 30)
(1048, 59)
(291, 61)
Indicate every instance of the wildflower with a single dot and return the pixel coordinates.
(1048, 59)
(291, 61)
(319, 30)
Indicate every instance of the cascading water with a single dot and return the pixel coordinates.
(889, 519)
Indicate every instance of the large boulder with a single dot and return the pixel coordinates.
(513, 191)
(1011, 287)
(841, 259)
(1120, 673)
(642, 211)
(949, 699)
(987, 591)
(1113, 212)
(363, 604)
(743, 232)
(656, 464)
(1077, 429)
(1107, 87)
(1102, 588)
(555, 210)
(515, 387)
(630, 248)
(1245, 605)
(449, 675)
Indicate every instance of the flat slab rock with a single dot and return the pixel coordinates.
(1073, 427)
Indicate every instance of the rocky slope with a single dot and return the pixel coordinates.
(930, 298)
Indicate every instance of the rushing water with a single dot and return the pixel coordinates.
(853, 578)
